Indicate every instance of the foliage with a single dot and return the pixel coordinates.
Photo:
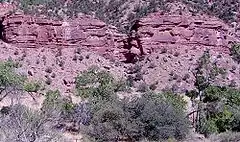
(24, 124)
(177, 101)
(32, 86)
(8, 76)
(50, 8)
(54, 105)
(235, 52)
(10, 81)
(60, 111)
(215, 104)
(97, 84)
(152, 116)
(112, 12)
(221, 110)
(224, 9)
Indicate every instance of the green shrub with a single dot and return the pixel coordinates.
(54, 105)
(98, 84)
(235, 52)
(221, 111)
(32, 86)
(152, 116)
(8, 76)
(11, 83)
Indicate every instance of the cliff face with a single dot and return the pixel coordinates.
(27, 31)
(157, 30)
(154, 32)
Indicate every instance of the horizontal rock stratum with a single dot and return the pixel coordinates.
(31, 32)
(154, 31)
(157, 29)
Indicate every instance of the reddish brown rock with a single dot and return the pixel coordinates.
(84, 31)
(157, 29)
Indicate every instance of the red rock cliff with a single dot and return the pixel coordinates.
(158, 30)
(29, 32)
(153, 32)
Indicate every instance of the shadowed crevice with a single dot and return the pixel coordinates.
(128, 43)
(2, 33)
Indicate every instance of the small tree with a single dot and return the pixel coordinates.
(10, 82)
(24, 124)
(215, 104)
(97, 84)
(32, 87)
(205, 75)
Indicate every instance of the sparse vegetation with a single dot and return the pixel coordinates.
(235, 52)
(226, 10)
(10, 82)
(32, 87)
(111, 12)
(48, 70)
(186, 77)
(48, 80)
(23, 124)
(217, 105)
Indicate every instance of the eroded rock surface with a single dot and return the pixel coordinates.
(32, 32)
(158, 29)
(154, 32)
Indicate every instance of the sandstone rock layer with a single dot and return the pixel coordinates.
(154, 32)
(158, 29)
(30, 32)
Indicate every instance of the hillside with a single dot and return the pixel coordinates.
(119, 70)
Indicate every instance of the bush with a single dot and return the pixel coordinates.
(24, 124)
(53, 104)
(107, 118)
(152, 116)
(235, 52)
(97, 84)
(32, 86)
(221, 112)
(10, 82)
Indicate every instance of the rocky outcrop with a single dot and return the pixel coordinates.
(152, 33)
(30, 32)
(158, 30)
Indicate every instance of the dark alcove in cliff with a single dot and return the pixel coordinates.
(2, 37)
